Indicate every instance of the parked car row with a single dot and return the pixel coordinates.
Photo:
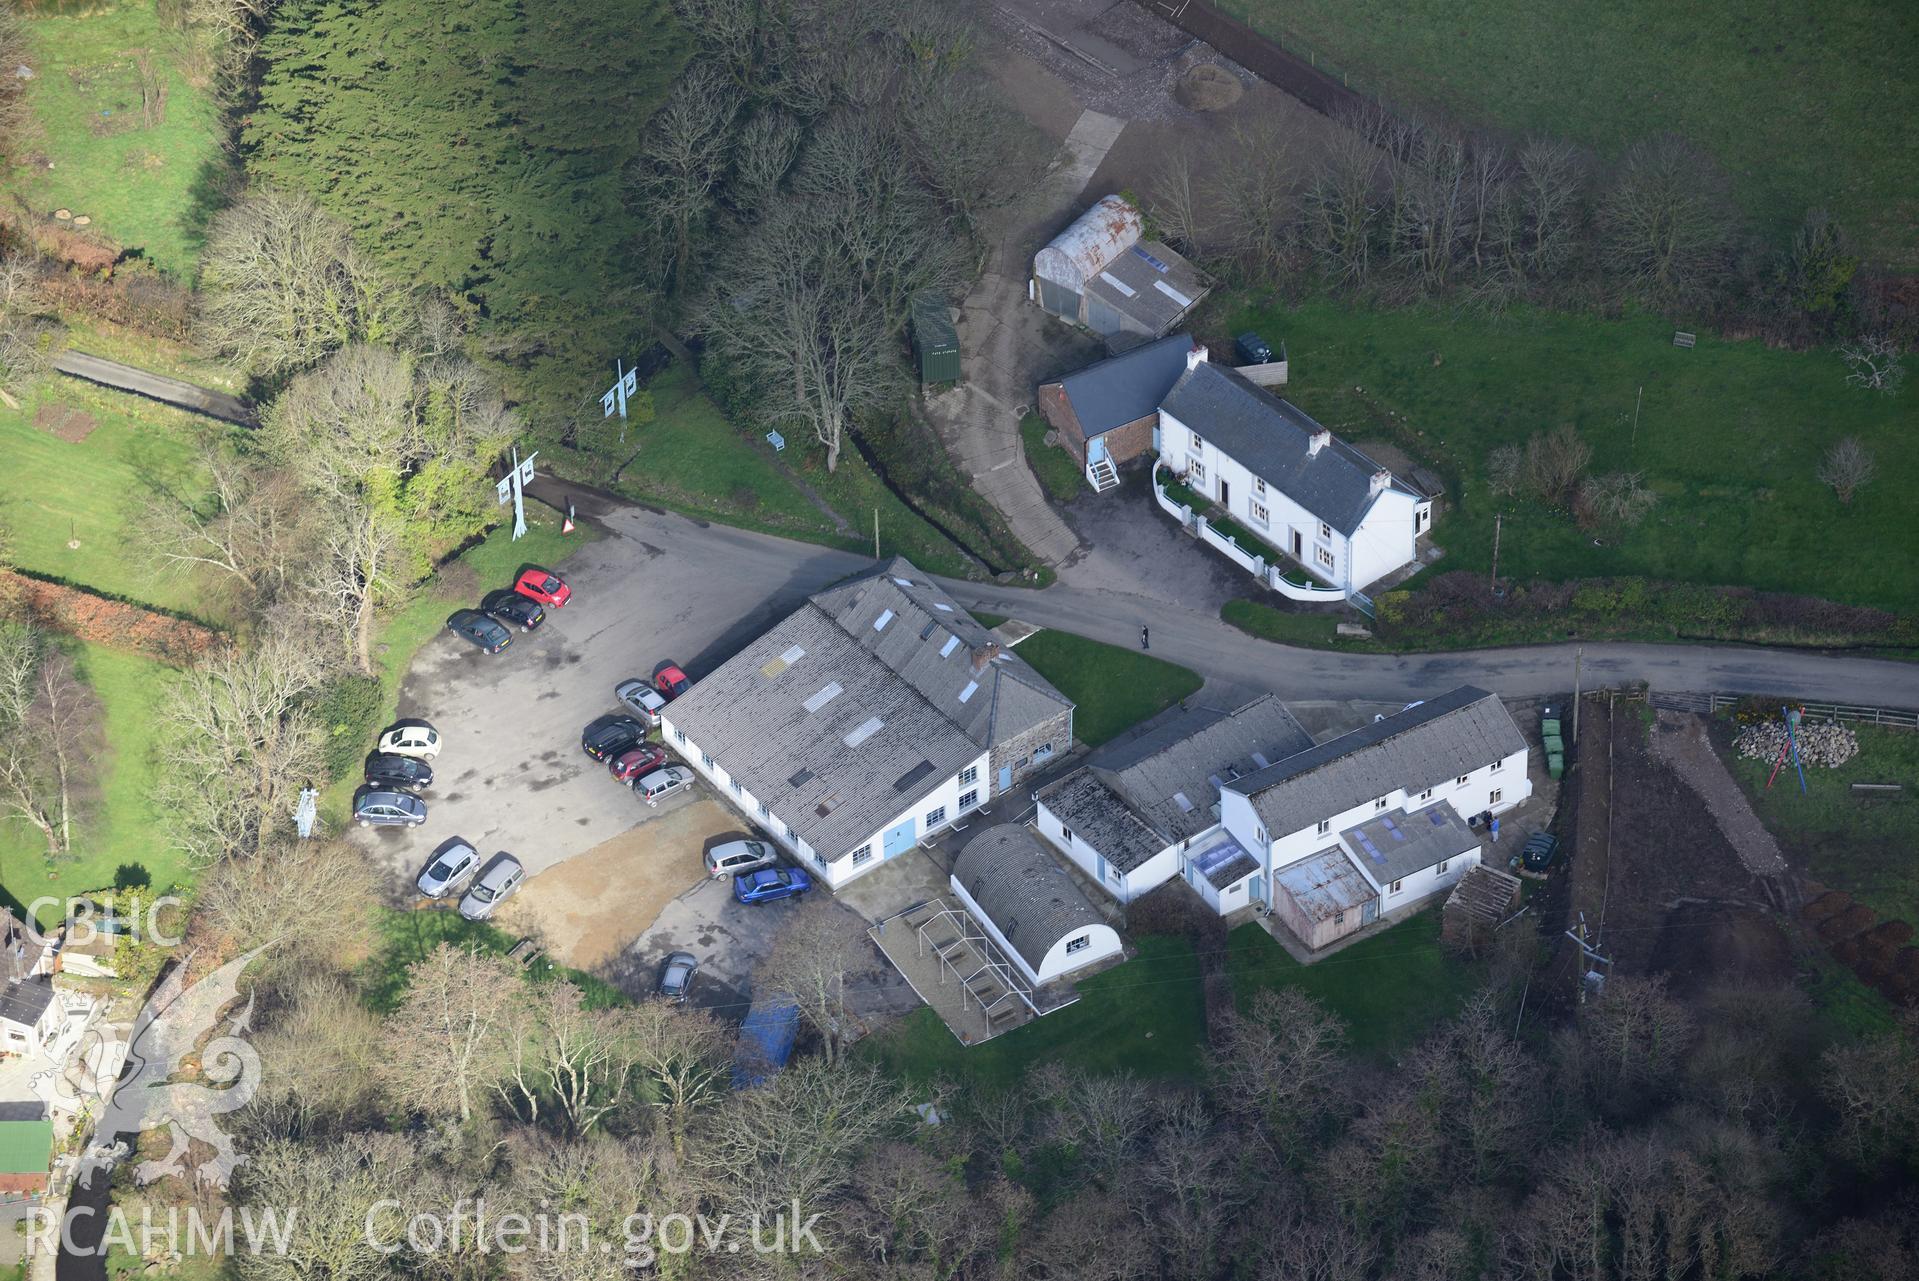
(524, 605)
(619, 738)
(456, 863)
(398, 770)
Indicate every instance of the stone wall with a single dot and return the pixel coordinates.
(1057, 732)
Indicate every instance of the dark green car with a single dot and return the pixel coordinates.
(1538, 852)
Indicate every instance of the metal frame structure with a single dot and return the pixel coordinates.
(964, 944)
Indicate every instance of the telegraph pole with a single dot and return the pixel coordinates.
(876, 533)
(1498, 517)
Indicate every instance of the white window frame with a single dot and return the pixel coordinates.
(1426, 795)
(1493, 797)
(935, 817)
(968, 800)
(1396, 886)
(863, 855)
(969, 776)
(1496, 767)
(1259, 487)
(1323, 557)
(1441, 869)
(1380, 804)
(1462, 780)
(1257, 510)
(1198, 443)
(1079, 944)
(1325, 826)
(1325, 532)
(1195, 470)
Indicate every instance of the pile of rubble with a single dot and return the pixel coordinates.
(1830, 745)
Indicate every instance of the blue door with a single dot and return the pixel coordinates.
(1005, 777)
(1256, 888)
(900, 838)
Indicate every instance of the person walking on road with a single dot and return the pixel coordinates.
(1145, 639)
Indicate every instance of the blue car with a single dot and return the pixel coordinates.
(769, 883)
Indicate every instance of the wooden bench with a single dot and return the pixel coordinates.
(1681, 338)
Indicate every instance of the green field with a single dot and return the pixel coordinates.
(1864, 847)
(1803, 105)
(1730, 434)
(123, 830)
(1389, 989)
(1146, 1016)
(1112, 689)
(90, 491)
(147, 185)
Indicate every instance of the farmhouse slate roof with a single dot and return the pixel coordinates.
(1272, 438)
(1028, 896)
(1126, 388)
(1395, 844)
(838, 722)
(1460, 731)
(25, 1001)
(1182, 756)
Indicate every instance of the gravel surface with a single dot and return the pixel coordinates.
(1679, 739)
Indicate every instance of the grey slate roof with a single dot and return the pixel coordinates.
(1396, 844)
(751, 714)
(1100, 817)
(1442, 738)
(1126, 801)
(24, 1002)
(1181, 757)
(1130, 283)
(1127, 387)
(1030, 898)
(1271, 438)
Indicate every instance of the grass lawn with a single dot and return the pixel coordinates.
(90, 490)
(148, 187)
(1146, 1016)
(1730, 434)
(1058, 474)
(1802, 105)
(408, 937)
(1112, 689)
(123, 830)
(1315, 631)
(1390, 989)
(1862, 847)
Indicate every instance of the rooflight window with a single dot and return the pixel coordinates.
(886, 616)
(1185, 806)
(904, 582)
(794, 655)
(1259, 759)
(972, 687)
(952, 643)
(944, 609)
(826, 695)
(865, 730)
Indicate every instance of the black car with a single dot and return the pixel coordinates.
(384, 769)
(487, 633)
(522, 612)
(611, 736)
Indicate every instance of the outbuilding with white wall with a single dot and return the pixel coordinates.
(1030, 906)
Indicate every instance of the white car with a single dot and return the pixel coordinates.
(738, 856)
(411, 738)
(452, 863)
(661, 782)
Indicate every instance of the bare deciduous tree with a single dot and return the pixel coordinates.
(272, 898)
(1341, 202)
(1619, 498)
(809, 965)
(1259, 199)
(1875, 362)
(447, 1043)
(1556, 462)
(320, 1060)
(27, 325)
(685, 1056)
(566, 1062)
(1175, 199)
(689, 143)
(1506, 470)
(283, 286)
(16, 115)
(1666, 221)
(1847, 466)
(1280, 1066)
(249, 527)
(1636, 1037)
(239, 739)
(969, 148)
(49, 721)
(330, 1198)
(1102, 1118)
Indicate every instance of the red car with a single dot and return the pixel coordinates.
(544, 586)
(628, 766)
(671, 682)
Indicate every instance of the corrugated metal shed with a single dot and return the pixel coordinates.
(1096, 237)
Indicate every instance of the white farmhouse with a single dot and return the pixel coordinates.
(1371, 822)
(1290, 481)
(1146, 810)
(874, 716)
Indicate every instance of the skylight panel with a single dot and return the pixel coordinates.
(1259, 759)
(1185, 806)
(944, 609)
(829, 692)
(1172, 293)
(972, 687)
(863, 731)
(886, 616)
(904, 582)
(952, 643)
(1118, 284)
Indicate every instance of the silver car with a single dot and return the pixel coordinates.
(640, 698)
(661, 782)
(452, 863)
(738, 856)
(501, 877)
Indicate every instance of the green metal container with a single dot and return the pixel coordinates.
(936, 349)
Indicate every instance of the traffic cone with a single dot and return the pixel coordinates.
(566, 525)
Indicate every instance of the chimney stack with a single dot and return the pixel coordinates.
(983, 655)
(1381, 479)
(1320, 439)
(1198, 355)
